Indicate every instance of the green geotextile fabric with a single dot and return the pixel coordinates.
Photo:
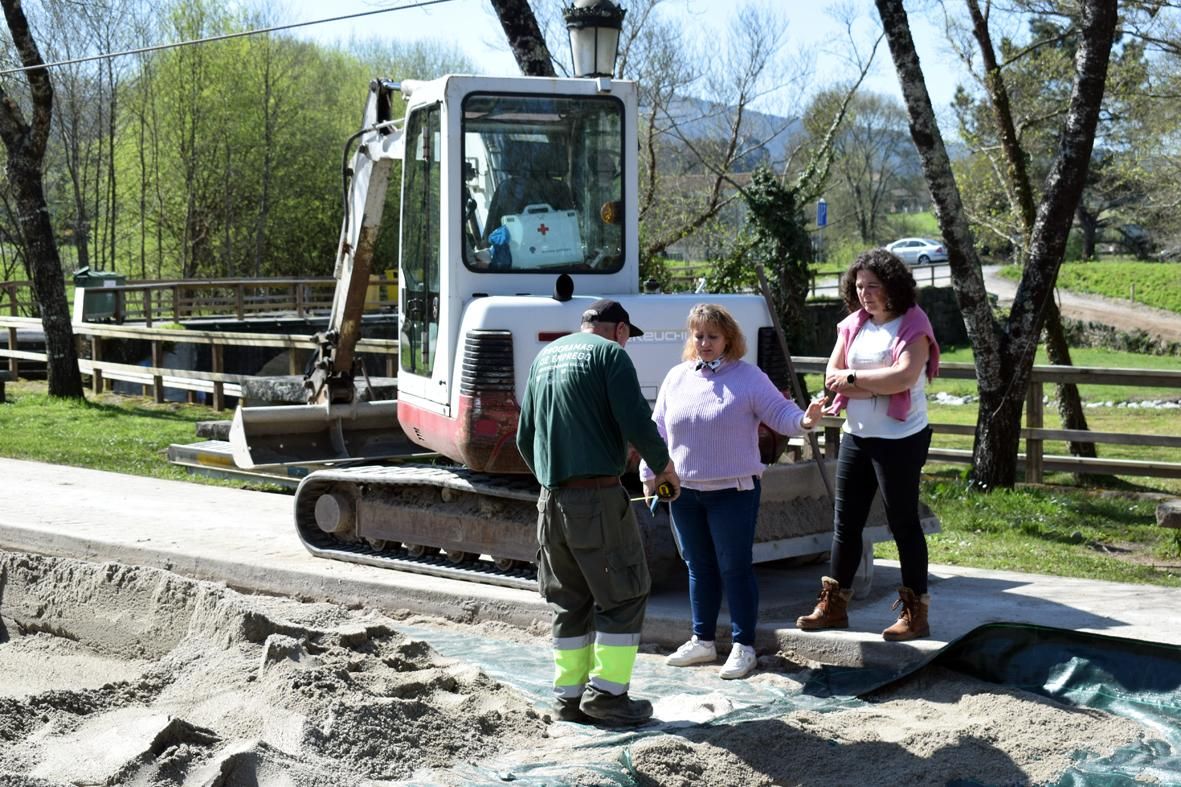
(1128, 678)
(1132, 679)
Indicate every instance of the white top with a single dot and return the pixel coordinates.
(867, 417)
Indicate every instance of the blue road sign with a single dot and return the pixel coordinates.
(821, 213)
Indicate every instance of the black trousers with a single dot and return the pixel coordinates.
(865, 465)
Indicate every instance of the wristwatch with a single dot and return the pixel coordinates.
(852, 378)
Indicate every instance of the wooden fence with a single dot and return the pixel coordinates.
(149, 302)
(1034, 459)
(156, 378)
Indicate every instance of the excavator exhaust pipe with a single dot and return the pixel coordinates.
(317, 433)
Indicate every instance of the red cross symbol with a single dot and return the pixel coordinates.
(542, 229)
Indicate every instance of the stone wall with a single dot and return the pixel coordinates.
(820, 334)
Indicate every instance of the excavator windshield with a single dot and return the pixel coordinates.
(542, 184)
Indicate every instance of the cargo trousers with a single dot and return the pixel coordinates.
(592, 571)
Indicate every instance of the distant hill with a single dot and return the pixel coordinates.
(771, 135)
(768, 136)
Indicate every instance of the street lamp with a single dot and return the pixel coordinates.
(594, 27)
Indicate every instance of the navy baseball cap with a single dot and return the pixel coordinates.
(610, 311)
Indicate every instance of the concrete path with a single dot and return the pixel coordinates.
(247, 540)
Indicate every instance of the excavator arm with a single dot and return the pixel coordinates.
(366, 180)
(334, 425)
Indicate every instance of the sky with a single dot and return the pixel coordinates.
(471, 25)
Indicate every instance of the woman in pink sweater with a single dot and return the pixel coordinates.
(708, 410)
(884, 355)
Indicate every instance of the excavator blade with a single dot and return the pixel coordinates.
(303, 434)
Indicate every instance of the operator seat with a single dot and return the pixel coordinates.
(537, 180)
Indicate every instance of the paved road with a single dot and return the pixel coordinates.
(1121, 314)
(247, 540)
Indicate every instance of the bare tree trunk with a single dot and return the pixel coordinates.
(112, 192)
(524, 37)
(25, 143)
(1070, 406)
(1004, 354)
(1088, 229)
(268, 147)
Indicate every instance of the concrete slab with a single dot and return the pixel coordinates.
(247, 540)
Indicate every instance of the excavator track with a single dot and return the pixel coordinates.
(443, 521)
(438, 521)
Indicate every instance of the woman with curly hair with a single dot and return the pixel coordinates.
(884, 355)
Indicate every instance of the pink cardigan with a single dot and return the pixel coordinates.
(914, 324)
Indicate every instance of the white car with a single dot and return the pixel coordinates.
(918, 251)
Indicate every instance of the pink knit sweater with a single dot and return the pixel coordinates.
(914, 324)
(710, 420)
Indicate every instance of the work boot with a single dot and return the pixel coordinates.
(912, 621)
(567, 709)
(832, 608)
(614, 710)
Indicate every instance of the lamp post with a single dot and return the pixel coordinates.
(594, 27)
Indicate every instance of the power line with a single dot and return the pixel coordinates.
(226, 37)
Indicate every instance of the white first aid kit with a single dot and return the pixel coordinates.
(541, 237)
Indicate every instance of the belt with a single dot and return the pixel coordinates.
(593, 482)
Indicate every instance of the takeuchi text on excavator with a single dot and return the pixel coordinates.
(518, 209)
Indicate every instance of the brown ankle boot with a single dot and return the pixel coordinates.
(912, 621)
(832, 608)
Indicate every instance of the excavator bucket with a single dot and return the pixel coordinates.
(314, 433)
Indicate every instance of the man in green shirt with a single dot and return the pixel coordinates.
(582, 406)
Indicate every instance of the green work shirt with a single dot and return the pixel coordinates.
(582, 406)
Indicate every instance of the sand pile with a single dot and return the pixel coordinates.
(116, 675)
(153, 679)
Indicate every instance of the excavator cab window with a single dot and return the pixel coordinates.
(544, 188)
(421, 219)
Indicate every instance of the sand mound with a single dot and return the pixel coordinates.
(155, 679)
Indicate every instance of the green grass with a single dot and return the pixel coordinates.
(1156, 284)
(910, 225)
(116, 433)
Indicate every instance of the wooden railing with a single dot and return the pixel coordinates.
(174, 300)
(156, 378)
(16, 298)
(1034, 459)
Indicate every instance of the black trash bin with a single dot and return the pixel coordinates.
(97, 306)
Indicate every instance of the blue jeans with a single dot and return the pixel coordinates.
(716, 534)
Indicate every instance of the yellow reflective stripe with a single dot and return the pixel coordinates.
(613, 666)
(572, 667)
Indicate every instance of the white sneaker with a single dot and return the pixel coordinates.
(695, 651)
(740, 663)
